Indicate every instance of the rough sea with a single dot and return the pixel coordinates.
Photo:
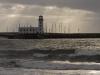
(39, 64)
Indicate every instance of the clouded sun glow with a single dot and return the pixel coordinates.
(12, 15)
(77, 19)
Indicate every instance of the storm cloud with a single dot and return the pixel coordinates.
(92, 5)
(82, 14)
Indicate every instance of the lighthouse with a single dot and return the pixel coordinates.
(31, 30)
(40, 23)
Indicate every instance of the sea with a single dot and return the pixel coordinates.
(38, 64)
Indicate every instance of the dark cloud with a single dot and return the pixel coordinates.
(92, 5)
(87, 13)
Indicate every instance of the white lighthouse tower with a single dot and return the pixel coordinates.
(40, 23)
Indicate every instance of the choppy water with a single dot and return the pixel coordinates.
(85, 46)
(47, 72)
(49, 43)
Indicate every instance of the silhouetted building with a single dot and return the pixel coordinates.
(30, 29)
(41, 30)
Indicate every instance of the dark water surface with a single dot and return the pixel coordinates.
(70, 56)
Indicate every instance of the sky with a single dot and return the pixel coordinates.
(74, 15)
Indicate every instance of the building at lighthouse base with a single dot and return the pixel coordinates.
(30, 29)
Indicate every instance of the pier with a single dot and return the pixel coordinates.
(16, 35)
(42, 31)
